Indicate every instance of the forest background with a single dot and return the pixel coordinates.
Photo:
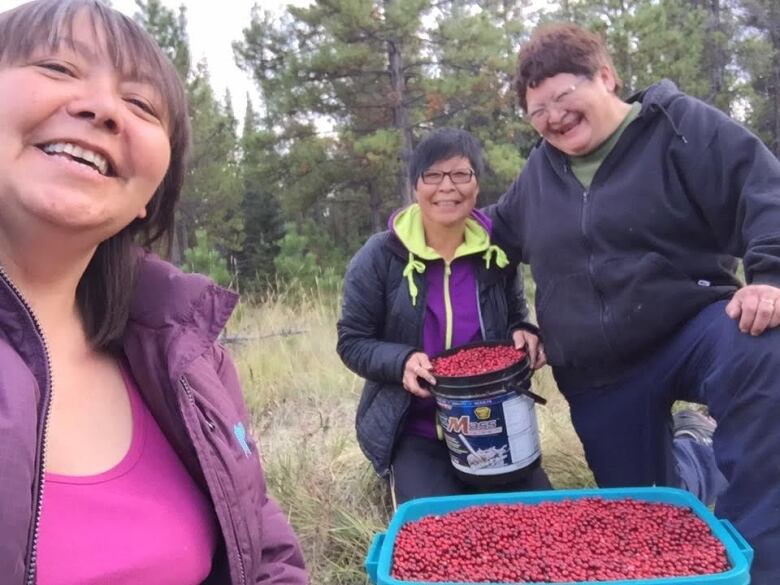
(275, 204)
(348, 87)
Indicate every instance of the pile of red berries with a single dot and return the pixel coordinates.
(471, 361)
(589, 539)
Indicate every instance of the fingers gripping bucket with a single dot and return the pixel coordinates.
(489, 421)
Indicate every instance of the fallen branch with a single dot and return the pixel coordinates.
(246, 338)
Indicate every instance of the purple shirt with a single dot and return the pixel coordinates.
(421, 419)
(464, 302)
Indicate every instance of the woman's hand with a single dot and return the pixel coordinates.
(756, 307)
(418, 366)
(533, 345)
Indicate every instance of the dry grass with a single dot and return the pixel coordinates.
(303, 401)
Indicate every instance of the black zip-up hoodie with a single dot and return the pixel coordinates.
(655, 239)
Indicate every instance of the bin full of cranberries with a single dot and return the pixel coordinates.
(622, 536)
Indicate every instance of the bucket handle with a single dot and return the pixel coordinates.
(532, 395)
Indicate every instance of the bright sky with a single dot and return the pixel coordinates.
(213, 26)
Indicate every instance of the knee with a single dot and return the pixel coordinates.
(764, 347)
(760, 350)
(742, 371)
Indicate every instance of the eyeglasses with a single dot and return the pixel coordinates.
(457, 176)
(539, 116)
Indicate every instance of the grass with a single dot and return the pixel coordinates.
(303, 403)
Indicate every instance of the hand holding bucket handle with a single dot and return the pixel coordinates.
(417, 375)
(532, 344)
(532, 395)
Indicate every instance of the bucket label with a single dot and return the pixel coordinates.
(490, 436)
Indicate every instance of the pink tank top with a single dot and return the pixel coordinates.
(144, 521)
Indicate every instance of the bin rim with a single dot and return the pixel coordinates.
(740, 560)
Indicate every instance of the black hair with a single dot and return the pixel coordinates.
(104, 291)
(442, 144)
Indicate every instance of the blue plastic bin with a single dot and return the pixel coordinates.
(380, 554)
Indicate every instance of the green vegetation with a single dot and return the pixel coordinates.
(203, 258)
(349, 86)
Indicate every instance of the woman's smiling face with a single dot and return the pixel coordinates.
(83, 147)
(573, 113)
(448, 203)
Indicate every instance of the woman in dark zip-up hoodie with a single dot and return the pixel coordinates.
(125, 450)
(433, 281)
(632, 215)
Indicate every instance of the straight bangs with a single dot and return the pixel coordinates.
(104, 291)
(132, 51)
(443, 144)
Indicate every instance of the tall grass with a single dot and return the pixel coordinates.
(303, 402)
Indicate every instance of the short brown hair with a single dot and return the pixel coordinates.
(560, 48)
(103, 294)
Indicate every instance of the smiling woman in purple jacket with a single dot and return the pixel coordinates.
(432, 281)
(124, 446)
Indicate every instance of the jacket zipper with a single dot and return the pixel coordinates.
(582, 225)
(447, 306)
(591, 275)
(191, 399)
(479, 312)
(31, 567)
(586, 241)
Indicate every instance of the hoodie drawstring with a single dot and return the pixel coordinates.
(668, 117)
(414, 265)
(500, 255)
(411, 267)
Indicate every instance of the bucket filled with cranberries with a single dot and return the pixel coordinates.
(486, 411)
(622, 536)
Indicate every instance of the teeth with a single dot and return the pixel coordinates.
(77, 152)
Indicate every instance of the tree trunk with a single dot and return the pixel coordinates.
(400, 110)
(776, 102)
(774, 90)
(180, 242)
(375, 203)
(627, 74)
(566, 10)
(716, 56)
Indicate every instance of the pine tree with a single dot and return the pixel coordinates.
(263, 224)
(211, 197)
(760, 58)
(378, 74)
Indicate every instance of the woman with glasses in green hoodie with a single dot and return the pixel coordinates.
(432, 281)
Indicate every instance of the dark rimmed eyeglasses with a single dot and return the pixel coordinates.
(539, 116)
(457, 176)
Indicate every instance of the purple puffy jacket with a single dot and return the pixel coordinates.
(192, 389)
